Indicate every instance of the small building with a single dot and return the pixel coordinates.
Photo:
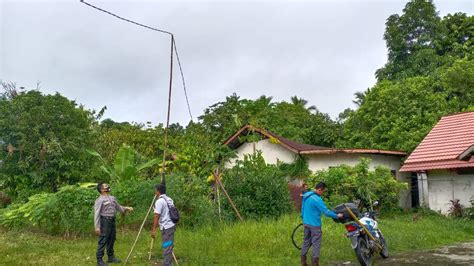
(275, 148)
(442, 166)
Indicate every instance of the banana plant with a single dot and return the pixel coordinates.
(128, 164)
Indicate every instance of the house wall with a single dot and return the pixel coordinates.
(318, 162)
(273, 152)
(444, 186)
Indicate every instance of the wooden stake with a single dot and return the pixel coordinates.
(219, 203)
(218, 180)
(174, 257)
(151, 248)
(139, 231)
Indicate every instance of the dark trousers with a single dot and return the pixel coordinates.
(167, 239)
(106, 238)
(312, 237)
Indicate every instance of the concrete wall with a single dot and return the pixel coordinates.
(318, 162)
(271, 152)
(444, 186)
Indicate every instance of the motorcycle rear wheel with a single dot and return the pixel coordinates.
(363, 253)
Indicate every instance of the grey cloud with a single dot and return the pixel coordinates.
(321, 51)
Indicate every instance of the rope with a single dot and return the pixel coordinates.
(182, 78)
(157, 30)
(124, 19)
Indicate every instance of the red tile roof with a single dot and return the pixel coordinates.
(442, 148)
(301, 148)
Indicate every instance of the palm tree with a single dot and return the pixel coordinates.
(302, 102)
(360, 97)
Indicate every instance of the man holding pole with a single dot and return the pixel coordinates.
(167, 227)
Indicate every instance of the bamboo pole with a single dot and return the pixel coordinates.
(219, 203)
(218, 180)
(151, 248)
(363, 226)
(141, 227)
(174, 257)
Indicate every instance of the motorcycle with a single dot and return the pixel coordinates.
(366, 238)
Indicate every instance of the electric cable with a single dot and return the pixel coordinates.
(157, 30)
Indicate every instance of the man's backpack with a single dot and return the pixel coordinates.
(173, 212)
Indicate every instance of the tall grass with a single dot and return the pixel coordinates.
(265, 242)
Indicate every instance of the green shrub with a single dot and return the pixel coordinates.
(257, 189)
(70, 210)
(346, 183)
(64, 212)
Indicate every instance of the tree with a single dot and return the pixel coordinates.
(302, 102)
(398, 114)
(411, 41)
(47, 136)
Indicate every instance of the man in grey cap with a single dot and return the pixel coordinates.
(104, 220)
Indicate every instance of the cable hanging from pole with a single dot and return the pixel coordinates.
(157, 30)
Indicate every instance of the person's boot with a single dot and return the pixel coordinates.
(114, 259)
(100, 262)
(304, 261)
(315, 262)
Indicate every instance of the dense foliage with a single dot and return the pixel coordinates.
(257, 189)
(70, 210)
(43, 139)
(348, 184)
(429, 73)
(67, 211)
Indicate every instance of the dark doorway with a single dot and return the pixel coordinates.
(415, 196)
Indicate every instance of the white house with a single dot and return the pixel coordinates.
(276, 148)
(443, 163)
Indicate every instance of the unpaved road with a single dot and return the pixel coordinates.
(458, 254)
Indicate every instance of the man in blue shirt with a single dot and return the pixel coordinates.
(312, 208)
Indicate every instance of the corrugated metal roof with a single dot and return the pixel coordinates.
(440, 149)
(301, 148)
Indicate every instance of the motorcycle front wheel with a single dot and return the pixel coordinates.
(384, 252)
(363, 253)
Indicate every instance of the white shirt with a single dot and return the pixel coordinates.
(161, 208)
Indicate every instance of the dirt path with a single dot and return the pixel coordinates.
(459, 254)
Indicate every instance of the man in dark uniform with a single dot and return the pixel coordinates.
(104, 220)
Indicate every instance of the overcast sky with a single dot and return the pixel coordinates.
(322, 51)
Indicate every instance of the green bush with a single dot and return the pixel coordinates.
(63, 212)
(70, 210)
(189, 194)
(346, 183)
(257, 189)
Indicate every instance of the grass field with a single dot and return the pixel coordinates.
(248, 243)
